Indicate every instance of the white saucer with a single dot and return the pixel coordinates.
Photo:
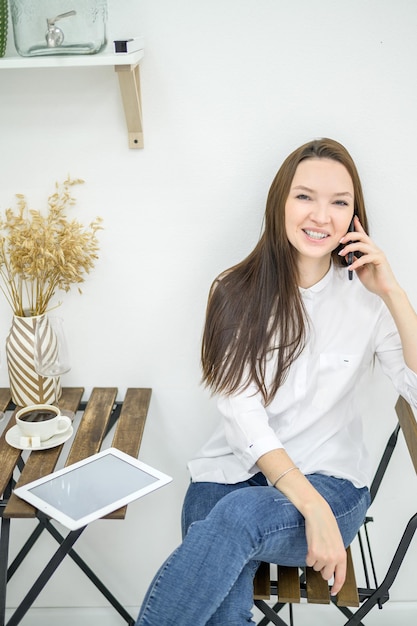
(13, 436)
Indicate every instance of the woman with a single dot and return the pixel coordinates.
(287, 339)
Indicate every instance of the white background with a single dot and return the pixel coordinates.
(229, 88)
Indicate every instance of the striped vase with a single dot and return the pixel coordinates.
(26, 385)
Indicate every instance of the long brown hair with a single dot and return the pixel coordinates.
(255, 307)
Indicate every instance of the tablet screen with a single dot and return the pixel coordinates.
(91, 487)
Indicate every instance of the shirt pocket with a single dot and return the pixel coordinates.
(337, 375)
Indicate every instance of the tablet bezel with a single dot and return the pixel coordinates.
(25, 491)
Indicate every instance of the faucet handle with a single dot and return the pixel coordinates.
(54, 35)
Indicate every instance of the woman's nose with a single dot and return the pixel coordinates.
(320, 213)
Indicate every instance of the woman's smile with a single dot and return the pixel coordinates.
(316, 235)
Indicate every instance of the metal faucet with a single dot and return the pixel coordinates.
(54, 35)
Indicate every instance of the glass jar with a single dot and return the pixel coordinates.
(58, 27)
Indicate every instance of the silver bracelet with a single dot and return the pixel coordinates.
(284, 474)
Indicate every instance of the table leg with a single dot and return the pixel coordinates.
(24, 551)
(90, 574)
(4, 551)
(65, 549)
(45, 575)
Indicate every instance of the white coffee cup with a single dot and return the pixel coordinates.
(41, 420)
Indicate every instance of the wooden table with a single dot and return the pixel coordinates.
(99, 414)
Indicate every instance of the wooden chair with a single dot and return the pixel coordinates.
(290, 584)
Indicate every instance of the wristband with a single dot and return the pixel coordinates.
(284, 474)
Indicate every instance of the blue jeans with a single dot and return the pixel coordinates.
(228, 529)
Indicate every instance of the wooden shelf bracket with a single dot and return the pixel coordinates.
(126, 66)
(129, 82)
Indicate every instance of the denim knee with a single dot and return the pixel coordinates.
(231, 513)
(201, 497)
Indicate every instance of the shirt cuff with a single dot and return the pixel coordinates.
(258, 448)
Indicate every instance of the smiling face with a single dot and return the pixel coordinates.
(318, 211)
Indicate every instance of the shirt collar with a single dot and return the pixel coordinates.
(321, 284)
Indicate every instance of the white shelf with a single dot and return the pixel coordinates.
(126, 66)
(75, 60)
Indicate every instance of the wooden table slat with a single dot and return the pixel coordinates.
(93, 424)
(131, 423)
(5, 398)
(71, 398)
(9, 456)
(129, 429)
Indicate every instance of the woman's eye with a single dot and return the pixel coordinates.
(341, 203)
(303, 196)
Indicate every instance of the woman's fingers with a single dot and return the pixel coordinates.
(327, 568)
(339, 578)
(333, 569)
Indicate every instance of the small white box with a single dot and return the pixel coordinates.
(124, 46)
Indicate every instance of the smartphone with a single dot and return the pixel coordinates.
(350, 255)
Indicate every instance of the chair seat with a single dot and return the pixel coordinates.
(294, 583)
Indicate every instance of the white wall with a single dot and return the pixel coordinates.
(229, 88)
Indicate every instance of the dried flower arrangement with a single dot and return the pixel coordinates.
(40, 254)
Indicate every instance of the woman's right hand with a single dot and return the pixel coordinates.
(326, 552)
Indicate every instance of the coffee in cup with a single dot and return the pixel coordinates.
(41, 422)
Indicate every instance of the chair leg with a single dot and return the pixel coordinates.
(271, 614)
(348, 613)
(274, 614)
(381, 594)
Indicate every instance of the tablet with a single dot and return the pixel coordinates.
(85, 491)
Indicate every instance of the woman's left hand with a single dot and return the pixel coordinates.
(372, 267)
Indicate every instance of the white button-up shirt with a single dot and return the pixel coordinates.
(315, 414)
